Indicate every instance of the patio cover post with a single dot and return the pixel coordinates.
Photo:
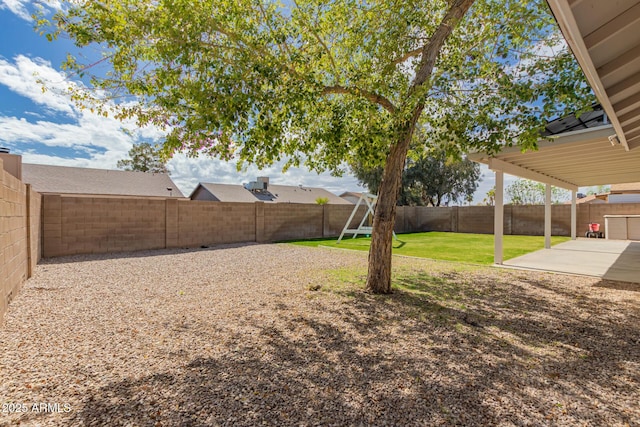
(498, 218)
(547, 216)
(574, 196)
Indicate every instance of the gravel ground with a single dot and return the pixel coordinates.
(241, 335)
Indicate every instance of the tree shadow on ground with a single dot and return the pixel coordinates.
(620, 286)
(442, 350)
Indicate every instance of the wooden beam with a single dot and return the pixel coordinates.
(496, 164)
(619, 62)
(630, 117)
(622, 89)
(581, 164)
(628, 104)
(632, 134)
(498, 219)
(574, 3)
(634, 143)
(574, 216)
(569, 141)
(626, 19)
(633, 131)
(547, 216)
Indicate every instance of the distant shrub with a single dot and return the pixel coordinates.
(322, 200)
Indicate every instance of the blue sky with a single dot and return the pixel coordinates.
(47, 128)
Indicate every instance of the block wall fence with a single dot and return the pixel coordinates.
(20, 246)
(34, 225)
(79, 225)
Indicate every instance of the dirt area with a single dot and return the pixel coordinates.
(284, 335)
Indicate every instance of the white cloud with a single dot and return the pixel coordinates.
(17, 7)
(23, 77)
(187, 172)
(104, 142)
(20, 7)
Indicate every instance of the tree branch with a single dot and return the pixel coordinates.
(411, 54)
(418, 52)
(373, 97)
(317, 37)
(431, 50)
(243, 46)
(283, 47)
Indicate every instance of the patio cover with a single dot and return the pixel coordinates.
(575, 159)
(571, 160)
(605, 40)
(604, 37)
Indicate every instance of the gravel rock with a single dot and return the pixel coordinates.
(273, 335)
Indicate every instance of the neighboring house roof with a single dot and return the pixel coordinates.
(351, 194)
(223, 192)
(71, 180)
(274, 194)
(591, 198)
(300, 194)
(631, 187)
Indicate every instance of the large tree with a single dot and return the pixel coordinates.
(490, 198)
(429, 179)
(321, 83)
(528, 192)
(433, 179)
(144, 157)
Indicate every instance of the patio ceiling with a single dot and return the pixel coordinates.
(605, 38)
(573, 159)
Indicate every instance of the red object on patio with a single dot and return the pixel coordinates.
(594, 231)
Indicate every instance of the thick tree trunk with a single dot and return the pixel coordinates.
(384, 218)
(379, 276)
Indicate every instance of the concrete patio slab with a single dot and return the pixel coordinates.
(608, 259)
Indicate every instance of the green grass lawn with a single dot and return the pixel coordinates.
(463, 247)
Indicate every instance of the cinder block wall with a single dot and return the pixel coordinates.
(561, 220)
(476, 219)
(75, 225)
(523, 220)
(19, 235)
(433, 219)
(80, 225)
(209, 223)
(336, 216)
(288, 221)
(597, 211)
(35, 228)
(528, 220)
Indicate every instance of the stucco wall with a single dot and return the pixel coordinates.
(624, 198)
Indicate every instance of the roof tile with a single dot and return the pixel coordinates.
(72, 180)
